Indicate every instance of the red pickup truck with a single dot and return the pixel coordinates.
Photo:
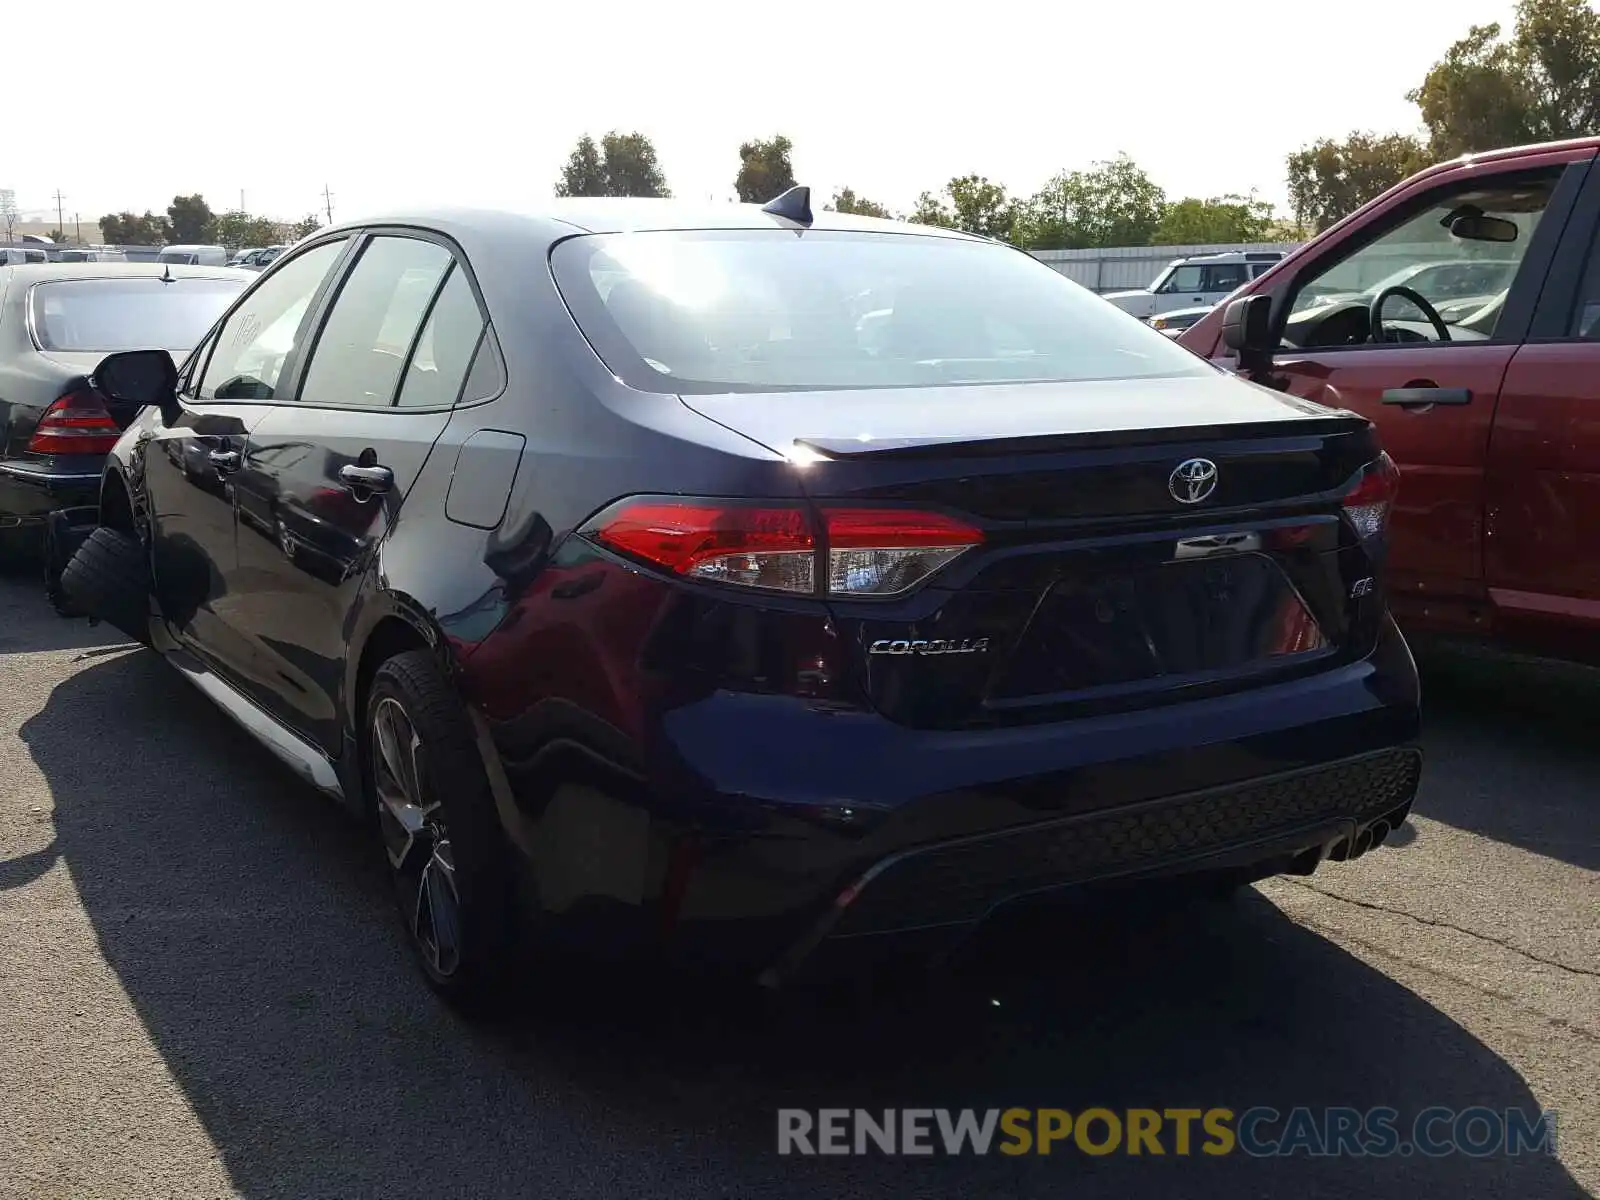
(1460, 312)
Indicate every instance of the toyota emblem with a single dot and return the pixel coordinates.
(1193, 480)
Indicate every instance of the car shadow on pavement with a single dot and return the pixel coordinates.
(1484, 721)
(250, 926)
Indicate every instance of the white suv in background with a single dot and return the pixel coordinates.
(1204, 279)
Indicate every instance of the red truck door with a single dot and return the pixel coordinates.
(1458, 256)
(1542, 503)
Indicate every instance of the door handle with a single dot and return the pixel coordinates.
(1426, 396)
(366, 479)
(224, 460)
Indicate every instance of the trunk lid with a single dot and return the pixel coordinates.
(1097, 586)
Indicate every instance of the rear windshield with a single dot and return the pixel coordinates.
(127, 314)
(773, 310)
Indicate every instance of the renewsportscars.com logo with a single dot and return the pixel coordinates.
(1259, 1132)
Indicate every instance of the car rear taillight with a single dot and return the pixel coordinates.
(77, 423)
(746, 544)
(1370, 501)
(778, 547)
(879, 552)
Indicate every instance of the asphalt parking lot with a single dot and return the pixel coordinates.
(202, 992)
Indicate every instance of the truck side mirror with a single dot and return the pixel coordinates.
(1246, 330)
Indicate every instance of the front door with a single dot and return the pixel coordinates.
(227, 389)
(1414, 330)
(326, 472)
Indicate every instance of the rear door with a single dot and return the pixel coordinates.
(1542, 550)
(1432, 397)
(326, 473)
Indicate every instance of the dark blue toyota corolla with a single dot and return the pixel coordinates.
(754, 584)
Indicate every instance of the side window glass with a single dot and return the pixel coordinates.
(189, 377)
(370, 330)
(444, 351)
(260, 334)
(1224, 277)
(1186, 278)
(1460, 254)
(1586, 318)
(487, 378)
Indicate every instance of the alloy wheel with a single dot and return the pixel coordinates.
(415, 837)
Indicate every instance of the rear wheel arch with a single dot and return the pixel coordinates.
(116, 504)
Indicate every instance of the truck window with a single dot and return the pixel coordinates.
(1223, 277)
(1464, 281)
(1189, 277)
(1586, 316)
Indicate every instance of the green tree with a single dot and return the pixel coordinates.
(304, 228)
(623, 164)
(846, 201)
(981, 207)
(60, 237)
(1540, 84)
(765, 169)
(1329, 180)
(971, 203)
(1113, 203)
(240, 230)
(933, 209)
(192, 220)
(584, 174)
(1220, 220)
(126, 229)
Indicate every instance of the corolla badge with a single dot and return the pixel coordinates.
(1192, 480)
(929, 646)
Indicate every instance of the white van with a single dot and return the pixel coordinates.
(194, 256)
(92, 254)
(15, 256)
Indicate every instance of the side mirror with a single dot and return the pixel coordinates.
(1244, 323)
(140, 377)
(1475, 227)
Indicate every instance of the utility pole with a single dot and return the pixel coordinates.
(61, 220)
(77, 229)
(327, 202)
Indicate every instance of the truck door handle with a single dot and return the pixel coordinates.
(224, 460)
(366, 479)
(1425, 397)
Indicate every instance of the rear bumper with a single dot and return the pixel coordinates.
(938, 893)
(29, 492)
(777, 832)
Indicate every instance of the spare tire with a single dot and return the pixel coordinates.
(109, 578)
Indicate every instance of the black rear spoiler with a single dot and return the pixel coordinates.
(937, 447)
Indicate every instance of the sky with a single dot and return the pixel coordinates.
(479, 102)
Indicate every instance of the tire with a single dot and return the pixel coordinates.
(109, 579)
(437, 827)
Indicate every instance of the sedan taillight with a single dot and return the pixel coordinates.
(855, 551)
(1369, 503)
(77, 423)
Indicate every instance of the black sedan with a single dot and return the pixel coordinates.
(57, 321)
(753, 584)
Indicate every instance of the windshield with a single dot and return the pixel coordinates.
(769, 310)
(106, 315)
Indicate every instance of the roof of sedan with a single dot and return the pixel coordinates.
(51, 272)
(602, 214)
